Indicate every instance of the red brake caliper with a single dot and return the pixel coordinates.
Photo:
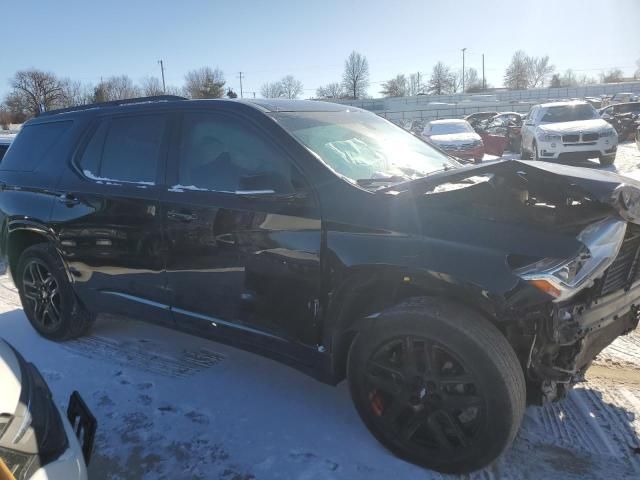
(377, 403)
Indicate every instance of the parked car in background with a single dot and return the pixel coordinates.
(456, 137)
(568, 131)
(478, 117)
(37, 440)
(5, 141)
(617, 109)
(325, 237)
(595, 101)
(623, 98)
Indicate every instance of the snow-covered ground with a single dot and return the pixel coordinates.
(175, 406)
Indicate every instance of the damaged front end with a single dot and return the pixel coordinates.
(576, 328)
(571, 237)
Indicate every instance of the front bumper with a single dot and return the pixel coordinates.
(566, 151)
(576, 333)
(469, 154)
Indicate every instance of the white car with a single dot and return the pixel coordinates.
(568, 130)
(37, 440)
(456, 137)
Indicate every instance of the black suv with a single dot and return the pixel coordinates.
(326, 237)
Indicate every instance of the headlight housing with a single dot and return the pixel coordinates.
(549, 137)
(562, 279)
(610, 132)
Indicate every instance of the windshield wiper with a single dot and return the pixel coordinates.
(365, 182)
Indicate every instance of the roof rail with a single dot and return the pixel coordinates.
(115, 103)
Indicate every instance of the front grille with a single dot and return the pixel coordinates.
(624, 269)
(590, 137)
(571, 138)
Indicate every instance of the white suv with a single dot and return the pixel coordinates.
(568, 130)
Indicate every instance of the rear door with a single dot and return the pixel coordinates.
(107, 216)
(243, 233)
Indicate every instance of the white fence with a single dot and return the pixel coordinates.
(430, 107)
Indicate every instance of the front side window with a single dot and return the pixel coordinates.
(125, 149)
(361, 146)
(220, 154)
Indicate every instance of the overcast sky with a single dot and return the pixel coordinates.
(87, 40)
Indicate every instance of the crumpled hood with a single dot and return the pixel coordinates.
(455, 138)
(610, 188)
(595, 125)
(10, 380)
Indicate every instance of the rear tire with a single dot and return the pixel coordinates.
(47, 296)
(438, 385)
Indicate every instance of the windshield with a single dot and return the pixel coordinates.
(362, 146)
(570, 113)
(449, 128)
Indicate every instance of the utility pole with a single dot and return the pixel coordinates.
(164, 88)
(240, 76)
(418, 86)
(484, 85)
(463, 50)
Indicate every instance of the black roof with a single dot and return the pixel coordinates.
(282, 105)
(263, 105)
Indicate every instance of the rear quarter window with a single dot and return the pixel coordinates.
(32, 144)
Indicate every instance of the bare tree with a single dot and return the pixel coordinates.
(37, 91)
(332, 90)
(538, 70)
(204, 83)
(75, 93)
(414, 85)
(291, 87)
(231, 93)
(516, 76)
(442, 80)
(116, 88)
(396, 87)
(271, 90)
(355, 78)
(151, 86)
(612, 76)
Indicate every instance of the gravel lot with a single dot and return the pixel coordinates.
(174, 406)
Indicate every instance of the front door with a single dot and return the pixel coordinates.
(107, 218)
(243, 234)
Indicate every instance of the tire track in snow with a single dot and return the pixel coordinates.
(144, 355)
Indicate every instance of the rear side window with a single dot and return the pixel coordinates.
(125, 149)
(32, 144)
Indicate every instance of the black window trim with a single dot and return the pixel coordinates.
(173, 157)
(94, 124)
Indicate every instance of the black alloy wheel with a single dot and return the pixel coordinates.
(42, 295)
(423, 393)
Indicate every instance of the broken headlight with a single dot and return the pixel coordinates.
(564, 278)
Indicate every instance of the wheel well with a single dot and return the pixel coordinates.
(19, 241)
(368, 299)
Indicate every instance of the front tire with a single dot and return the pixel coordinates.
(438, 385)
(524, 155)
(47, 297)
(535, 155)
